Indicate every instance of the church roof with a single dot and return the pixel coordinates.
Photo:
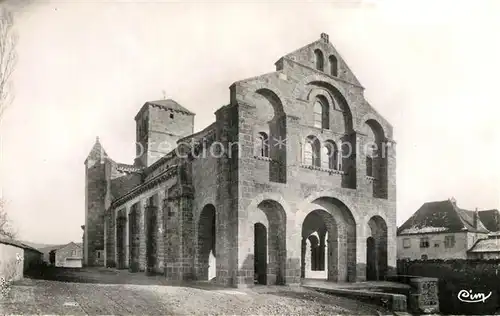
(128, 168)
(171, 105)
(441, 216)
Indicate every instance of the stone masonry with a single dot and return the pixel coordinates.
(295, 178)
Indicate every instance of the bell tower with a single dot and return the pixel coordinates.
(159, 125)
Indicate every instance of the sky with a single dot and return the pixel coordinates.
(86, 67)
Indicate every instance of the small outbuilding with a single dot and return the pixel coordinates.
(16, 258)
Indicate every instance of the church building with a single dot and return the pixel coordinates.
(295, 178)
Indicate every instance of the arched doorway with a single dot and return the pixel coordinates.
(206, 243)
(260, 253)
(275, 243)
(376, 249)
(315, 247)
(371, 259)
(335, 256)
(121, 233)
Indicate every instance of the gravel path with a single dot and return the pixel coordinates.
(64, 298)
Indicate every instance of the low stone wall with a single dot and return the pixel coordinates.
(393, 302)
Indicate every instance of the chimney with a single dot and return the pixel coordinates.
(475, 218)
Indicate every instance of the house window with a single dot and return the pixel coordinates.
(406, 243)
(262, 145)
(171, 115)
(436, 244)
(98, 255)
(424, 242)
(449, 241)
(319, 61)
(424, 257)
(333, 65)
(73, 253)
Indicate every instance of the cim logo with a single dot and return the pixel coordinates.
(468, 297)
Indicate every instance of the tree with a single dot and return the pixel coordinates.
(8, 57)
(6, 229)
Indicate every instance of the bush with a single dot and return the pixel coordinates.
(479, 276)
(12, 271)
(134, 267)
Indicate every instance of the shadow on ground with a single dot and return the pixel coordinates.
(98, 275)
(312, 296)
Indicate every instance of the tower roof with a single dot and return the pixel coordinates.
(171, 105)
(97, 152)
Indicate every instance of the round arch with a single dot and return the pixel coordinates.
(376, 249)
(271, 215)
(206, 243)
(341, 230)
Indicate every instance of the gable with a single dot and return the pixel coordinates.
(333, 64)
(68, 247)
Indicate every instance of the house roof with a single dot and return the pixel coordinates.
(171, 105)
(486, 245)
(490, 219)
(441, 216)
(16, 243)
(58, 247)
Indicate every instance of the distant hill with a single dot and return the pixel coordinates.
(45, 247)
(37, 245)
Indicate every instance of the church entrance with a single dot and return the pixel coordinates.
(371, 260)
(260, 253)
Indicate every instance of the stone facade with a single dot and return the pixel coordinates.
(286, 159)
(69, 255)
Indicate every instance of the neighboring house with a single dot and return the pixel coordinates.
(67, 256)
(441, 230)
(17, 258)
(490, 219)
(486, 248)
(46, 252)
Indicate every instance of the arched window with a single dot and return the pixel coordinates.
(318, 114)
(370, 161)
(330, 156)
(262, 145)
(318, 55)
(321, 113)
(369, 166)
(308, 153)
(326, 153)
(312, 152)
(333, 66)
